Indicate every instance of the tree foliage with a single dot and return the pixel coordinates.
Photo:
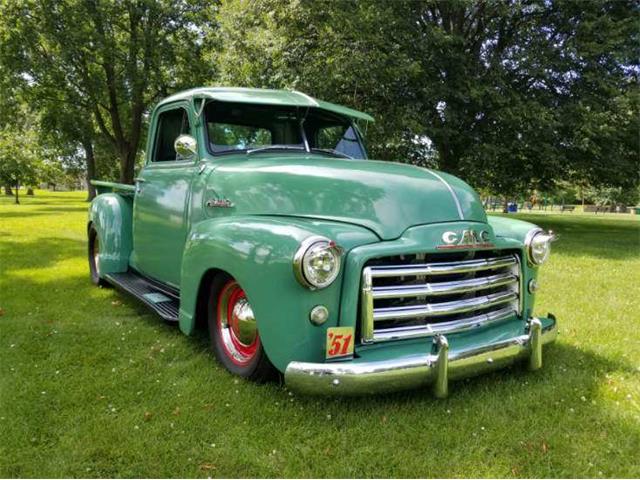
(514, 95)
(106, 61)
(19, 159)
(511, 95)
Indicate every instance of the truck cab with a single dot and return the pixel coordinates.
(258, 215)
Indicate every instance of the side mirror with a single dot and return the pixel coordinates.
(186, 146)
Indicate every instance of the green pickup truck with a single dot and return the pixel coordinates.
(258, 216)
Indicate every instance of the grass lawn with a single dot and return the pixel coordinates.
(92, 385)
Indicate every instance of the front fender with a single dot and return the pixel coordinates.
(515, 231)
(510, 228)
(258, 252)
(111, 216)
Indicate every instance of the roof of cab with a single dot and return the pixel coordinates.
(266, 97)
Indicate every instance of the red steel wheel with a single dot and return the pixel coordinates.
(234, 331)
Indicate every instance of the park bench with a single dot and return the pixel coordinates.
(567, 208)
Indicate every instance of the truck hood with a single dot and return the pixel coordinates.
(384, 197)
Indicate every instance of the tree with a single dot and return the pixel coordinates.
(18, 159)
(69, 130)
(107, 61)
(514, 95)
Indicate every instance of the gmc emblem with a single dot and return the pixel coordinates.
(466, 239)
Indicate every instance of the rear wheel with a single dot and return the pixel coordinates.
(234, 332)
(94, 256)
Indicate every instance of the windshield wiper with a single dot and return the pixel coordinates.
(274, 147)
(332, 151)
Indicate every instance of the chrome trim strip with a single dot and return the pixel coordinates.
(453, 194)
(454, 326)
(445, 288)
(443, 268)
(443, 308)
(355, 377)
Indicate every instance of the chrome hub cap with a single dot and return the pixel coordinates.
(237, 324)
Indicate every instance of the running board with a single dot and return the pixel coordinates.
(160, 299)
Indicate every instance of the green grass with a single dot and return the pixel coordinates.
(92, 385)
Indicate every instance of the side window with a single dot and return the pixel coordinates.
(171, 124)
(341, 138)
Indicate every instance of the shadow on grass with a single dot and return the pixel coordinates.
(23, 214)
(54, 197)
(41, 253)
(63, 209)
(43, 208)
(513, 411)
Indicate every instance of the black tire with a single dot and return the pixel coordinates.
(93, 251)
(257, 367)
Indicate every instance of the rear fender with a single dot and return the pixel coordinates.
(111, 215)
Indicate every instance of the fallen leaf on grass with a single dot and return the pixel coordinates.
(176, 411)
(545, 447)
(147, 416)
(207, 466)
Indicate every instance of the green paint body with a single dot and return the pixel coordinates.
(164, 229)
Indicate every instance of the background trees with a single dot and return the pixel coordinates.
(98, 65)
(512, 96)
(19, 160)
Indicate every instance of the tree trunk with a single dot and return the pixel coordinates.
(91, 168)
(30, 191)
(127, 166)
(505, 205)
(446, 160)
(7, 190)
(17, 193)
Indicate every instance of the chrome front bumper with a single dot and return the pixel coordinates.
(436, 369)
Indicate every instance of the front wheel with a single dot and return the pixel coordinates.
(234, 332)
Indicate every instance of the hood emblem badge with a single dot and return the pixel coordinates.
(466, 239)
(219, 203)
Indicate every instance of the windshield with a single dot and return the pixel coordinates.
(237, 127)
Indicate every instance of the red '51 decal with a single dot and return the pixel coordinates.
(339, 342)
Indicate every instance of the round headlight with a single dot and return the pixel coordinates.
(316, 264)
(538, 245)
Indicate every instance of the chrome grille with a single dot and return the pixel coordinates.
(425, 294)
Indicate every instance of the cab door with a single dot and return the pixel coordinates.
(161, 205)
